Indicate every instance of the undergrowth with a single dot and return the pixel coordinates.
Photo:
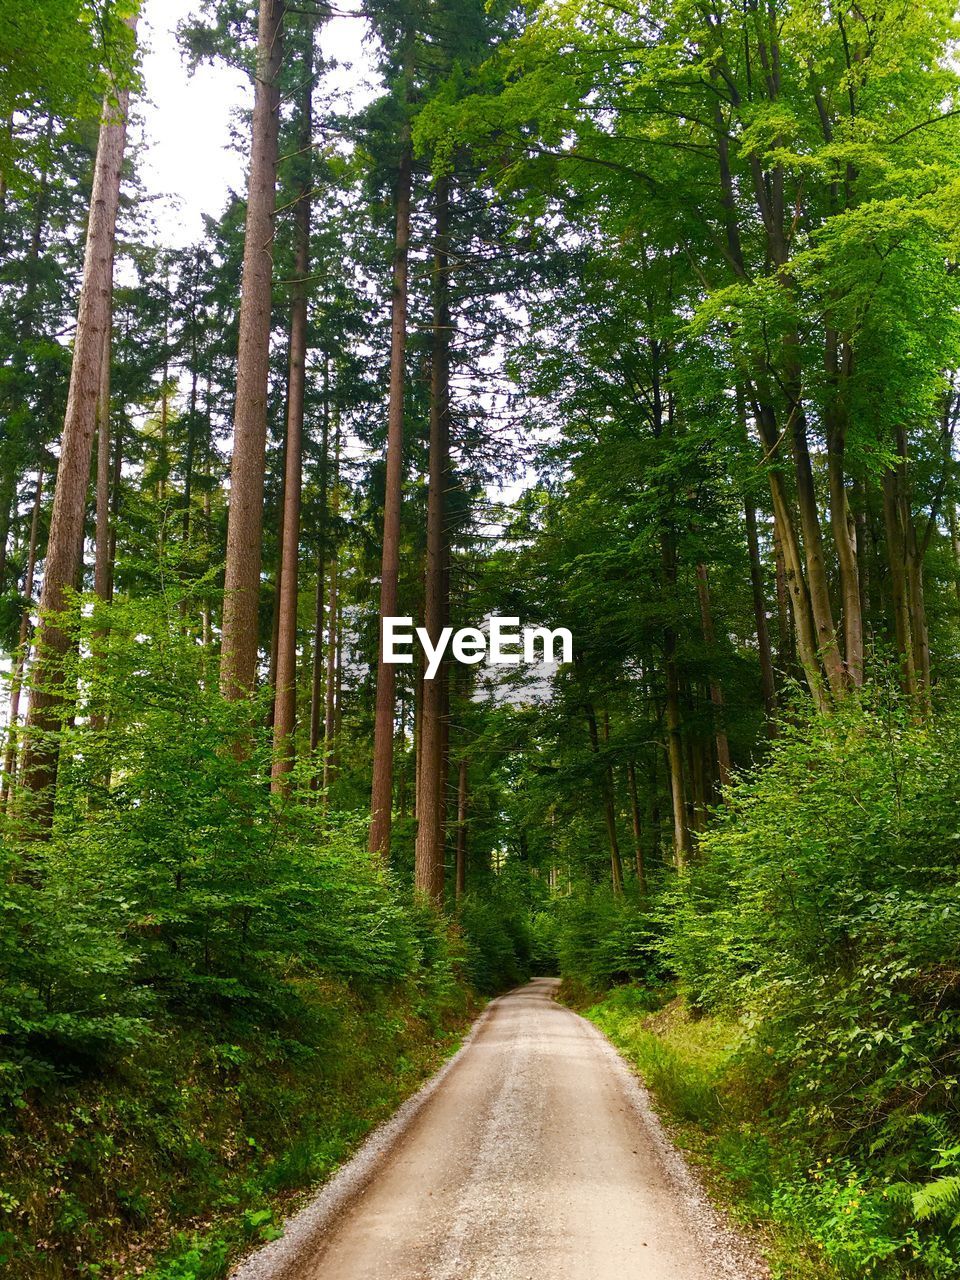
(817, 1216)
(195, 1148)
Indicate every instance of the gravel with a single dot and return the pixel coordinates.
(534, 1154)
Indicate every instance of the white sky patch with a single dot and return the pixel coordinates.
(189, 160)
(188, 163)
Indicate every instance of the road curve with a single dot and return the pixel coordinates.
(533, 1156)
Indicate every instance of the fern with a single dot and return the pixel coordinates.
(937, 1198)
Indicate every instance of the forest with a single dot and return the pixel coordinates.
(636, 319)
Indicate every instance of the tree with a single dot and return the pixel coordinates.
(381, 795)
(239, 646)
(429, 871)
(285, 703)
(65, 542)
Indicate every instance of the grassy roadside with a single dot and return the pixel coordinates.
(197, 1149)
(807, 1217)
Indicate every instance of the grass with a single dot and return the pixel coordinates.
(716, 1112)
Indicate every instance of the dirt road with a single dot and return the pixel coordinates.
(533, 1156)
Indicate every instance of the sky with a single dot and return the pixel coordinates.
(188, 161)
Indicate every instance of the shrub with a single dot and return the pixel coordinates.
(602, 939)
(824, 907)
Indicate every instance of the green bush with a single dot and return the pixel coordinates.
(602, 940)
(824, 909)
(496, 941)
(544, 937)
(184, 887)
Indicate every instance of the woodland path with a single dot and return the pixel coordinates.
(534, 1155)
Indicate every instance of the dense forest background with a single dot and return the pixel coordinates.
(684, 277)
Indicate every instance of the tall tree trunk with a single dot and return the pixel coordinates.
(913, 554)
(275, 611)
(417, 729)
(190, 454)
(609, 813)
(716, 689)
(206, 611)
(238, 662)
(897, 564)
(332, 705)
(918, 622)
(428, 869)
(786, 646)
(955, 547)
(841, 518)
(101, 569)
(65, 543)
(817, 585)
(859, 492)
(381, 795)
(767, 680)
(285, 705)
(637, 827)
(317, 667)
(8, 497)
(460, 882)
(682, 843)
(806, 620)
(23, 651)
(317, 678)
(801, 610)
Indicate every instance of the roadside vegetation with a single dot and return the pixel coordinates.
(793, 1003)
(640, 320)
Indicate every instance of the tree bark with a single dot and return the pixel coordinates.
(827, 646)
(767, 679)
(191, 449)
(238, 662)
(682, 843)
(102, 574)
(955, 547)
(317, 667)
(716, 689)
(23, 651)
(428, 868)
(65, 542)
(609, 813)
(8, 496)
(841, 518)
(788, 543)
(317, 676)
(332, 704)
(786, 647)
(640, 861)
(285, 703)
(381, 795)
(897, 563)
(460, 883)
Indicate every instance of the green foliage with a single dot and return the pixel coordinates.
(207, 992)
(497, 942)
(818, 926)
(602, 940)
(56, 58)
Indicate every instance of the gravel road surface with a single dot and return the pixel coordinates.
(534, 1155)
